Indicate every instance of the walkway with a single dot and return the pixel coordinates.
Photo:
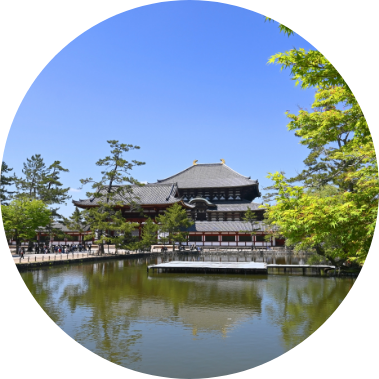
(34, 258)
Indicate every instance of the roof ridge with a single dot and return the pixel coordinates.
(247, 177)
(180, 172)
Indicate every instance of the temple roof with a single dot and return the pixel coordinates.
(234, 206)
(224, 226)
(209, 175)
(149, 194)
(63, 228)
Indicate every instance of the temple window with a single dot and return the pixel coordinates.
(238, 195)
(211, 238)
(245, 238)
(194, 239)
(228, 238)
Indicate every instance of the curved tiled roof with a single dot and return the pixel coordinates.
(225, 226)
(63, 228)
(148, 194)
(229, 206)
(201, 199)
(209, 175)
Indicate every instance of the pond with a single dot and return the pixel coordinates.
(185, 325)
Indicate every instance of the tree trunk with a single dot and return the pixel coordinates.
(17, 246)
(320, 251)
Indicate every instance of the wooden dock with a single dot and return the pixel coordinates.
(320, 269)
(232, 267)
(211, 267)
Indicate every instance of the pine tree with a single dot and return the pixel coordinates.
(174, 222)
(251, 218)
(43, 183)
(110, 194)
(149, 234)
(75, 222)
(6, 181)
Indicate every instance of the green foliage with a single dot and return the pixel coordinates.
(75, 223)
(251, 218)
(282, 27)
(115, 183)
(334, 211)
(112, 192)
(339, 226)
(108, 226)
(149, 234)
(22, 217)
(5, 181)
(174, 221)
(41, 182)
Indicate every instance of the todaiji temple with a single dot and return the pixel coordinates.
(215, 197)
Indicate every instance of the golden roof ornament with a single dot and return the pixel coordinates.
(222, 161)
(195, 162)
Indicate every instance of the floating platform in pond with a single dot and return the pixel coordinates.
(211, 267)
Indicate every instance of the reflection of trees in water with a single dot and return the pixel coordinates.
(302, 305)
(45, 288)
(106, 330)
(109, 296)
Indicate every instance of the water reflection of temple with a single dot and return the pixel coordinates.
(225, 302)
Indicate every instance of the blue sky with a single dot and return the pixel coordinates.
(183, 80)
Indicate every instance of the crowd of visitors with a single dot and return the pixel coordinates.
(56, 249)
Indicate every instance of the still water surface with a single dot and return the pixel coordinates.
(179, 325)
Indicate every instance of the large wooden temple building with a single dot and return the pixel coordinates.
(215, 197)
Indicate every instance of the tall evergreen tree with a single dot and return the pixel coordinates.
(175, 222)
(110, 194)
(6, 181)
(149, 234)
(75, 222)
(251, 218)
(41, 182)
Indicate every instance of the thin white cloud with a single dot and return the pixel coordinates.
(74, 190)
